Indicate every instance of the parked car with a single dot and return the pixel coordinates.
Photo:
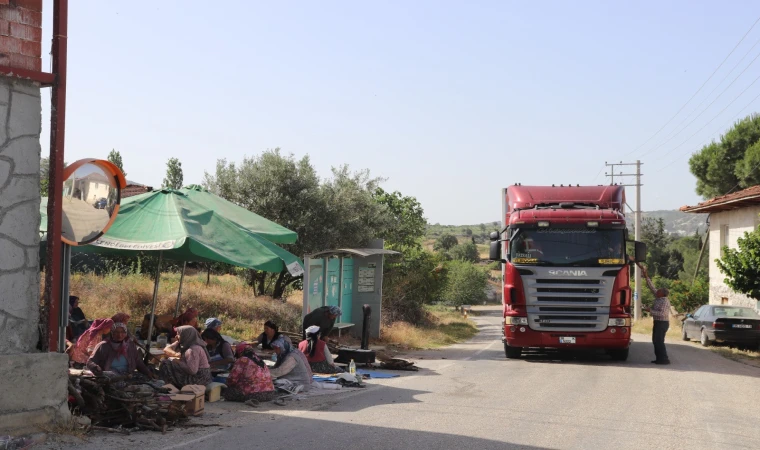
(101, 203)
(723, 323)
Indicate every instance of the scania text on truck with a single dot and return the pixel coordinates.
(565, 270)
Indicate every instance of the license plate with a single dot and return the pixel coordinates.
(567, 340)
(742, 326)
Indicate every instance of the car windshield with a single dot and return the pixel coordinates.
(568, 247)
(735, 311)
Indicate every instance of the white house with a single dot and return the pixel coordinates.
(729, 217)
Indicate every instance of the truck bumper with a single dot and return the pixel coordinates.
(606, 339)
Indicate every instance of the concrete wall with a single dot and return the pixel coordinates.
(738, 222)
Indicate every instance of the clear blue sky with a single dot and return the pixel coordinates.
(450, 101)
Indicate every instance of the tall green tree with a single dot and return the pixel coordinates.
(115, 158)
(339, 212)
(174, 177)
(742, 266)
(662, 260)
(407, 224)
(732, 162)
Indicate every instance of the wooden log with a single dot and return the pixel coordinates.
(110, 430)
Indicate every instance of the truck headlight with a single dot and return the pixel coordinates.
(619, 323)
(517, 320)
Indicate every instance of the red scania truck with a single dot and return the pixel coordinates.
(565, 272)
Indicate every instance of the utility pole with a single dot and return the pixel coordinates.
(637, 222)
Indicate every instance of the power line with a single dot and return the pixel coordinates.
(710, 121)
(716, 131)
(700, 88)
(724, 78)
(706, 108)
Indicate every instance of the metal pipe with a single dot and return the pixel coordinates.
(340, 284)
(702, 251)
(179, 293)
(55, 187)
(637, 224)
(65, 279)
(153, 306)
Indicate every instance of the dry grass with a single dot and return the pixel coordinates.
(483, 251)
(226, 297)
(644, 326)
(749, 357)
(445, 327)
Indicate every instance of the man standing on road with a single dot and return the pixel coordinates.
(660, 312)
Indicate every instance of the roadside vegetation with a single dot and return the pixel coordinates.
(442, 326)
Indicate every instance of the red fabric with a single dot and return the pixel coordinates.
(86, 343)
(319, 353)
(120, 317)
(186, 317)
(249, 377)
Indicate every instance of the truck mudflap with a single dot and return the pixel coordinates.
(606, 339)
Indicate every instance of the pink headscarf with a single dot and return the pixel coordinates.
(89, 339)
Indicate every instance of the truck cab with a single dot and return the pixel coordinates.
(565, 268)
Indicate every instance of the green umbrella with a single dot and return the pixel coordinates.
(241, 216)
(178, 226)
(172, 222)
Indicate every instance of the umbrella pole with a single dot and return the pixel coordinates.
(153, 307)
(179, 293)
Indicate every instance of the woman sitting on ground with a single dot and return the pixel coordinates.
(317, 353)
(219, 350)
(118, 354)
(271, 333)
(192, 366)
(80, 352)
(249, 378)
(291, 364)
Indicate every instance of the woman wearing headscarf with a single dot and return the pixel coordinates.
(77, 320)
(316, 352)
(249, 378)
(80, 352)
(291, 364)
(270, 334)
(192, 366)
(117, 354)
(219, 350)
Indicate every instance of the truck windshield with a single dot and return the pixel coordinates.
(568, 247)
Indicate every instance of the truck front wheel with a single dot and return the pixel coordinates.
(512, 352)
(619, 354)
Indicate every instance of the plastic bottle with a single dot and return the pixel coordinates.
(352, 368)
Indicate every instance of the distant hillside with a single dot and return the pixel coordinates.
(676, 222)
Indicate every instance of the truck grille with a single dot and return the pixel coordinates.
(557, 303)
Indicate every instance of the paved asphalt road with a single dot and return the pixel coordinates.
(470, 396)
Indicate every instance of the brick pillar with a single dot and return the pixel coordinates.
(21, 34)
(33, 384)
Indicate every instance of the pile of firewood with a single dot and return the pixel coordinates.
(122, 404)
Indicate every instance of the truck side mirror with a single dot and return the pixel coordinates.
(494, 236)
(494, 251)
(640, 251)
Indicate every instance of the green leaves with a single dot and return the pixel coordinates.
(742, 266)
(174, 175)
(466, 284)
(731, 163)
(115, 158)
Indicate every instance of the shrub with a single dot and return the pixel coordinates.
(465, 252)
(466, 284)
